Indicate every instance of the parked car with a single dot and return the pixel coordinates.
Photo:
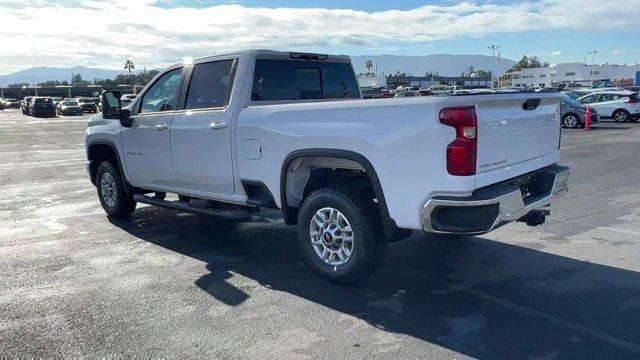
(371, 93)
(621, 106)
(574, 113)
(87, 105)
(352, 173)
(11, 103)
(2, 104)
(25, 104)
(69, 107)
(126, 99)
(42, 106)
(407, 93)
(56, 100)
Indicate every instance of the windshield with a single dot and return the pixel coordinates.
(42, 100)
(70, 103)
(86, 101)
(570, 100)
(574, 96)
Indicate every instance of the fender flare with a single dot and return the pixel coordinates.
(388, 224)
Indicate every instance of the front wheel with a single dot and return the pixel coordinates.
(570, 121)
(621, 116)
(340, 234)
(113, 197)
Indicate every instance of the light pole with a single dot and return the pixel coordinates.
(493, 62)
(593, 63)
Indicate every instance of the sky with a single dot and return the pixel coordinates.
(155, 33)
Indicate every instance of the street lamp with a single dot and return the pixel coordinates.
(593, 63)
(493, 54)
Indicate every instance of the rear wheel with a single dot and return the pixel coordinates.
(570, 121)
(113, 197)
(340, 234)
(621, 116)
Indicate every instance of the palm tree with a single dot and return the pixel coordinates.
(368, 64)
(129, 65)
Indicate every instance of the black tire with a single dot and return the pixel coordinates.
(123, 204)
(571, 121)
(620, 116)
(368, 245)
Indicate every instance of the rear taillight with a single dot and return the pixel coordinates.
(461, 153)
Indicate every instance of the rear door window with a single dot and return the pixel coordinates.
(210, 85)
(302, 80)
(609, 97)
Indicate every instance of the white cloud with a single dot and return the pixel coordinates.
(617, 52)
(555, 53)
(103, 33)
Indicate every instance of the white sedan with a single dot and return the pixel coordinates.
(621, 106)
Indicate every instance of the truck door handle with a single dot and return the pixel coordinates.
(162, 127)
(217, 125)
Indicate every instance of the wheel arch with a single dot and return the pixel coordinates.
(290, 212)
(101, 150)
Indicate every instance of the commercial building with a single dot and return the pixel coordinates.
(568, 73)
(426, 81)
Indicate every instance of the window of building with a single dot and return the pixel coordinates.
(570, 73)
(543, 75)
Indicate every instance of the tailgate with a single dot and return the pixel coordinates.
(513, 140)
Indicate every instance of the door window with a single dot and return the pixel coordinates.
(163, 94)
(210, 85)
(589, 99)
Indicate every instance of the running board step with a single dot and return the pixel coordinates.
(229, 214)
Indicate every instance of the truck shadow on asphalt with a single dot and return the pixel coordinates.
(475, 296)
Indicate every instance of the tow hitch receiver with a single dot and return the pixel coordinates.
(535, 217)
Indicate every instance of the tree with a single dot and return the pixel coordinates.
(76, 80)
(471, 71)
(528, 63)
(129, 65)
(368, 64)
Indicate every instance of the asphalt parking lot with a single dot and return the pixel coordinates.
(166, 284)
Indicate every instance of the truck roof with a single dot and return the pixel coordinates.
(271, 54)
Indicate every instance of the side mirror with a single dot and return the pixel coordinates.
(112, 108)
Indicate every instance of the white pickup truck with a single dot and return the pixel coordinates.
(231, 134)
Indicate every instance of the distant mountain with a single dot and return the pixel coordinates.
(444, 64)
(40, 74)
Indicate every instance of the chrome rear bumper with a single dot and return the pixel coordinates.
(494, 206)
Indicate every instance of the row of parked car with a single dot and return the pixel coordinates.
(52, 106)
(619, 104)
